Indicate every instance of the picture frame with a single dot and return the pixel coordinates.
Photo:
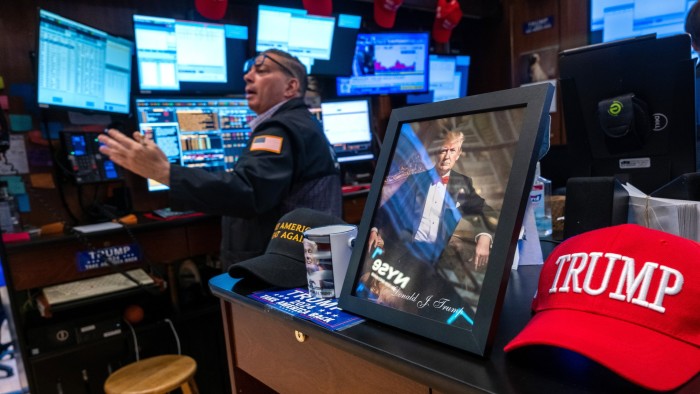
(419, 262)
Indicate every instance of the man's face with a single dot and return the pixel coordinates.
(448, 155)
(309, 251)
(266, 85)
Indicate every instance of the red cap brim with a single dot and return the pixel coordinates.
(382, 16)
(211, 9)
(318, 7)
(441, 34)
(662, 363)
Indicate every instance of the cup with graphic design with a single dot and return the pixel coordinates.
(327, 252)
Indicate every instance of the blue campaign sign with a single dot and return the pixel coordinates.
(539, 24)
(298, 302)
(117, 255)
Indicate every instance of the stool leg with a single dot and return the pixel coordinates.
(189, 387)
(193, 386)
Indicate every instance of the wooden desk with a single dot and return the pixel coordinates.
(32, 265)
(51, 260)
(371, 357)
(354, 205)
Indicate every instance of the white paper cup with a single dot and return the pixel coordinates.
(327, 252)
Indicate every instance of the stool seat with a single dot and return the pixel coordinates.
(154, 375)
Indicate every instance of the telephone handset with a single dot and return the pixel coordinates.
(84, 159)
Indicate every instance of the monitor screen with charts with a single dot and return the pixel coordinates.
(387, 63)
(189, 57)
(207, 133)
(82, 68)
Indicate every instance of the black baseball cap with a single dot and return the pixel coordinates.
(283, 264)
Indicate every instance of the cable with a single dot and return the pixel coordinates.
(136, 342)
(177, 339)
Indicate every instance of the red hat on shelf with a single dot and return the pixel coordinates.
(385, 12)
(211, 9)
(448, 14)
(626, 297)
(319, 7)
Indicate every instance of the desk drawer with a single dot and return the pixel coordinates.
(267, 349)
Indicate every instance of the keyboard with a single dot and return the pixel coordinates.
(91, 287)
(167, 213)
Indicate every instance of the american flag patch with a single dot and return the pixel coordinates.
(268, 143)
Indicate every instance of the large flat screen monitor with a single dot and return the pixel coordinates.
(82, 68)
(208, 133)
(449, 75)
(629, 109)
(188, 57)
(387, 63)
(311, 38)
(348, 127)
(618, 19)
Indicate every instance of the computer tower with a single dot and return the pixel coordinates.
(593, 203)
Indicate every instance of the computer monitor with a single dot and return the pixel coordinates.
(619, 19)
(387, 63)
(207, 133)
(342, 48)
(348, 127)
(449, 75)
(189, 57)
(308, 37)
(82, 68)
(629, 109)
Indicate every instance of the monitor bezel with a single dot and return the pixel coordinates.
(68, 108)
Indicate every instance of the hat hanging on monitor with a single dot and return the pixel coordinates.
(211, 9)
(448, 14)
(319, 7)
(385, 12)
(283, 263)
(626, 297)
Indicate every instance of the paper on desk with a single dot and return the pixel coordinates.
(678, 217)
(529, 250)
(16, 156)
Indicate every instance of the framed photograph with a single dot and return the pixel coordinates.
(442, 219)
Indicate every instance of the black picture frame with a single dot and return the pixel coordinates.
(406, 285)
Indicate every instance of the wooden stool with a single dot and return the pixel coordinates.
(155, 375)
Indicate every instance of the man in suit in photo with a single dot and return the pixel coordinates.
(434, 233)
(433, 207)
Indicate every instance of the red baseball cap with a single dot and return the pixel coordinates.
(319, 7)
(627, 297)
(448, 14)
(385, 12)
(211, 9)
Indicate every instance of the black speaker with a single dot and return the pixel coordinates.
(593, 203)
